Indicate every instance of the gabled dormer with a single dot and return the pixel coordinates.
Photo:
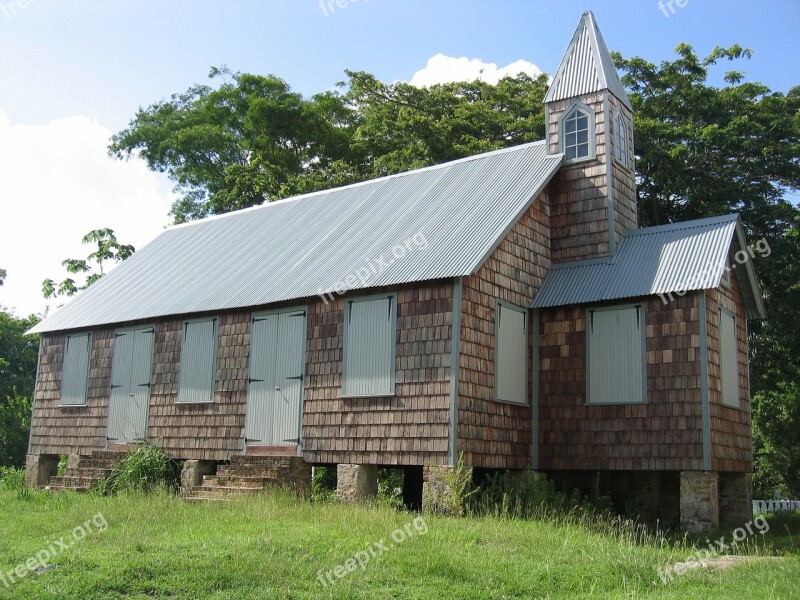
(589, 119)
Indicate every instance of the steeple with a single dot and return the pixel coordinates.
(589, 119)
(586, 66)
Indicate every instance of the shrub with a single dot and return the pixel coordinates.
(323, 484)
(451, 495)
(390, 487)
(143, 469)
(63, 464)
(12, 478)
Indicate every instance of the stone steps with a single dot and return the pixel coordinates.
(89, 472)
(249, 475)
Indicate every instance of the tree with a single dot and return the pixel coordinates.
(704, 151)
(3, 275)
(776, 441)
(18, 356)
(108, 249)
(250, 140)
(402, 127)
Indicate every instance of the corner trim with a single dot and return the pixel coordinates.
(455, 354)
(704, 394)
(35, 388)
(535, 390)
(609, 156)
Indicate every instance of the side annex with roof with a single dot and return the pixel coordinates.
(503, 307)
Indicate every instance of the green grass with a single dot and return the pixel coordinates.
(273, 546)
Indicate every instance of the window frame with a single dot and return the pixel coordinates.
(592, 139)
(346, 345)
(617, 119)
(525, 386)
(215, 337)
(85, 400)
(642, 351)
(738, 405)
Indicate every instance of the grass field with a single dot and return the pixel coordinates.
(278, 546)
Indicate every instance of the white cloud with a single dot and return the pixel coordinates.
(58, 184)
(447, 69)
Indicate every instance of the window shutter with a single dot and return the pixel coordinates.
(369, 365)
(615, 356)
(729, 362)
(75, 372)
(198, 350)
(511, 358)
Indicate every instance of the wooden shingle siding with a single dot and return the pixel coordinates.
(578, 202)
(731, 433)
(663, 434)
(408, 428)
(201, 431)
(74, 429)
(493, 434)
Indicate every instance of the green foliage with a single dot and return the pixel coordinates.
(516, 494)
(3, 275)
(704, 151)
(15, 422)
(12, 478)
(776, 441)
(144, 469)
(390, 487)
(250, 140)
(18, 359)
(450, 496)
(323, 484)
(108, 249)
(63, 465)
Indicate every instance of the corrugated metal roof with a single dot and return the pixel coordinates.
(680, 257)
(586, 66)
(448, 217)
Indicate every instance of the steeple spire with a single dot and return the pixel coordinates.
(586, 66)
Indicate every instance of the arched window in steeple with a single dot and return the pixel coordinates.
(577, 127)
(621, 139)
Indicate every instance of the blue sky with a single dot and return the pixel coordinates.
(73, 72)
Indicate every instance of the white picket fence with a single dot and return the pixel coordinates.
(775, 505)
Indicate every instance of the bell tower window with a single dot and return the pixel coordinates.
(577, 138)
(621, 139)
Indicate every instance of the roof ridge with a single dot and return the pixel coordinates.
(309, 195)
(693, 224)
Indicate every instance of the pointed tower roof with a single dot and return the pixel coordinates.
(587, 66)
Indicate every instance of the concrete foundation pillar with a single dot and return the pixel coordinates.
(39, 468)
(356, 482)
(699, 501)
(192, 474)
(735, 498)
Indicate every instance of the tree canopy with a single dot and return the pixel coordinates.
(108, 250)
(18, 356)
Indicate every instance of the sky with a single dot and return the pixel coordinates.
(74, 72)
